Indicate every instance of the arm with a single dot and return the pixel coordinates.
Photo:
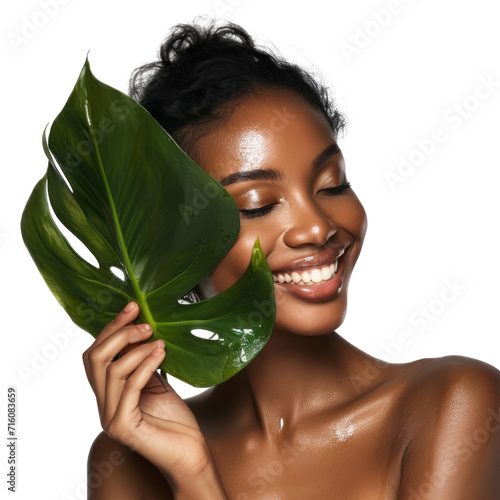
(140, 411)
(455, 450)
(115, 471)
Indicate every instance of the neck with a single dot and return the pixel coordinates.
(293, 376)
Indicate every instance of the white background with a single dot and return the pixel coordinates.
(399, 83)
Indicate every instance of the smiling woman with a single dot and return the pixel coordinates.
(312, 416)
(292, 191)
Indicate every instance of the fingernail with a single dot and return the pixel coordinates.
(158, 351)
(129, 307)
(144, 328)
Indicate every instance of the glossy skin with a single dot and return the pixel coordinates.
(313, 417)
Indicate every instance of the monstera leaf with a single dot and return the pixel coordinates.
(156, 223)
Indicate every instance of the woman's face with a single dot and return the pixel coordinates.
(278, 152)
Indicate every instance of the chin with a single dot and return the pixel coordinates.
(311, 319)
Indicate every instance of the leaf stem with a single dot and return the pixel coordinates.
(141, 299)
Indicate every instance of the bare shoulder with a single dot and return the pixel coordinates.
(458, 381)
(452, 389)
(115, 471)
(452, 420)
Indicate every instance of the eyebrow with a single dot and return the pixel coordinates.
(270, 174)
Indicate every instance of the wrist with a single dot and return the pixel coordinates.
(205, 484)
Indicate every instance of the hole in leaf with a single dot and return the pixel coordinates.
(56, 165)
(204, 334)
(117, 272)
(76, 244)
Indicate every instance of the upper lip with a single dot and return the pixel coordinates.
(319, 259)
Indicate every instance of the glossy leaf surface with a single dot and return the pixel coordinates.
(120, 184)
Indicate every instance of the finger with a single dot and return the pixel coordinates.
(128, 314)
(101, 356)
(157, 380)
(124, 317)
(131, 346)
(117, 374)
(127, 348)
(128, 405)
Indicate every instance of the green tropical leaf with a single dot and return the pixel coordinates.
(120, 184)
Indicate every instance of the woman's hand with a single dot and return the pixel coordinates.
(138, 408)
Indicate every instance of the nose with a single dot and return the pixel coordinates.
(309, 225)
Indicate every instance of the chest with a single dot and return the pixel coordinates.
(329, 460)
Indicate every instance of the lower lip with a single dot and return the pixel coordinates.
(318, 293)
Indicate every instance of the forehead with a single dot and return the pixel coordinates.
(273, 128)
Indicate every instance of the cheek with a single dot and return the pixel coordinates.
(355, 222)
(356, 219)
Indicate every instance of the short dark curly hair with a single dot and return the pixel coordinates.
(201, 73)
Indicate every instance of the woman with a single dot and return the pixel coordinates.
(312, 416)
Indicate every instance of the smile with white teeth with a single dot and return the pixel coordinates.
(313, 276)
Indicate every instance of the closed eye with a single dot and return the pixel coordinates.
(257, 212)
(338, 189)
